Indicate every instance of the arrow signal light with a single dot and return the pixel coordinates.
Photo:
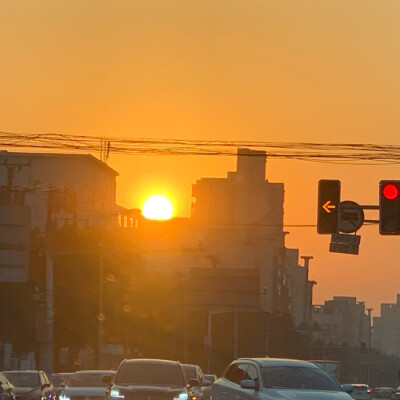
(327, 206)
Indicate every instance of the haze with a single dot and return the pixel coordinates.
(283, 70)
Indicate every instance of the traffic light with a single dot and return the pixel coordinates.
(328, 205)
(389, 207)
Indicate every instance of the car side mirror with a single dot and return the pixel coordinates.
(206, 382)
(45, 385)
(248, 384)
(194, 382)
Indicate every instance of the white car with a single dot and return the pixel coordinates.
(276, 379)
(87, 385)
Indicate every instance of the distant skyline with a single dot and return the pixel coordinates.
(268, 70)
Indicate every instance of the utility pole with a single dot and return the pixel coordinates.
(47, 348)
(307, 306)
(100, 316)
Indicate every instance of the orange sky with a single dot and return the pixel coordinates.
(270, 70)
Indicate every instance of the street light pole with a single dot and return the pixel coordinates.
(266, 335)
(100, 315)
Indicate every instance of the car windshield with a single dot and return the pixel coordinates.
(190, 372)
(293, 377)
(23, 379)
(150, 374)
(92, 380)
(56, 379)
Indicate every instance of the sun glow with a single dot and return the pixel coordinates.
(157, 207)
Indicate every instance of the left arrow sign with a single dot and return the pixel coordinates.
(327, 206)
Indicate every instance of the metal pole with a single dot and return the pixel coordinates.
(48, 357)
(49, 312)
(266, 335)
(185, 325)
(235, 334)
(100, 316)
(209, 340)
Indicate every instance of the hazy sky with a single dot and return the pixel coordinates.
(270, 70)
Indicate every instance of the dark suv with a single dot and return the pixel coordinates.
(149, 379)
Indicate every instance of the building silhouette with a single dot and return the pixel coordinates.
(42, 195)
(386, 329)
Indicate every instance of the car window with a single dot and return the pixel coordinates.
(23, 379)
(238, 372)
(90, 380)
(293, 377)
(252, 372)
(150, 374)
(190, 372)
(201, 376)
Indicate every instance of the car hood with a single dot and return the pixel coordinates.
(150, 389)
(287, 394)
(85, 391)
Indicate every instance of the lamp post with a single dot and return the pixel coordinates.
(266, 335)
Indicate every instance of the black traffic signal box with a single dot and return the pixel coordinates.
(389, 207)
(328, 205)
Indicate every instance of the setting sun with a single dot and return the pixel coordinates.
(157, 207)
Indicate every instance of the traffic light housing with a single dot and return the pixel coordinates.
(389, 207)
(328, 205)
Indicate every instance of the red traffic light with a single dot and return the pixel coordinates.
(389, 207)
(390, 191)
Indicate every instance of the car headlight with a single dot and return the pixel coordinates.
(182, 396)
(64, 396)
(115, 393)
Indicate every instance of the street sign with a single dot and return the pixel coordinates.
(343, 243)
(328, 204)
(351, 216)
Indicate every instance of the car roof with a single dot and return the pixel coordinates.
(95, 372)
(276, 362)
(23, 371)
(150, 361)
(190, 366)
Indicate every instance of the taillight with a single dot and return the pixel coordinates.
(369, 390)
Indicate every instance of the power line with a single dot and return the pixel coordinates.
(338, 153)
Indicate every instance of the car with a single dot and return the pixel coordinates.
(210, 377)
(358, 391)
(7, 389)
(276, 378)
(87, 385)
(194, 376)
(59, 381)
(150, 379)
(31, 384)
(383, 392)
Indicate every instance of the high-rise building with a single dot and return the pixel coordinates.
(386, 329)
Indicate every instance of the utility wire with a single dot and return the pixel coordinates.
(338, 153)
